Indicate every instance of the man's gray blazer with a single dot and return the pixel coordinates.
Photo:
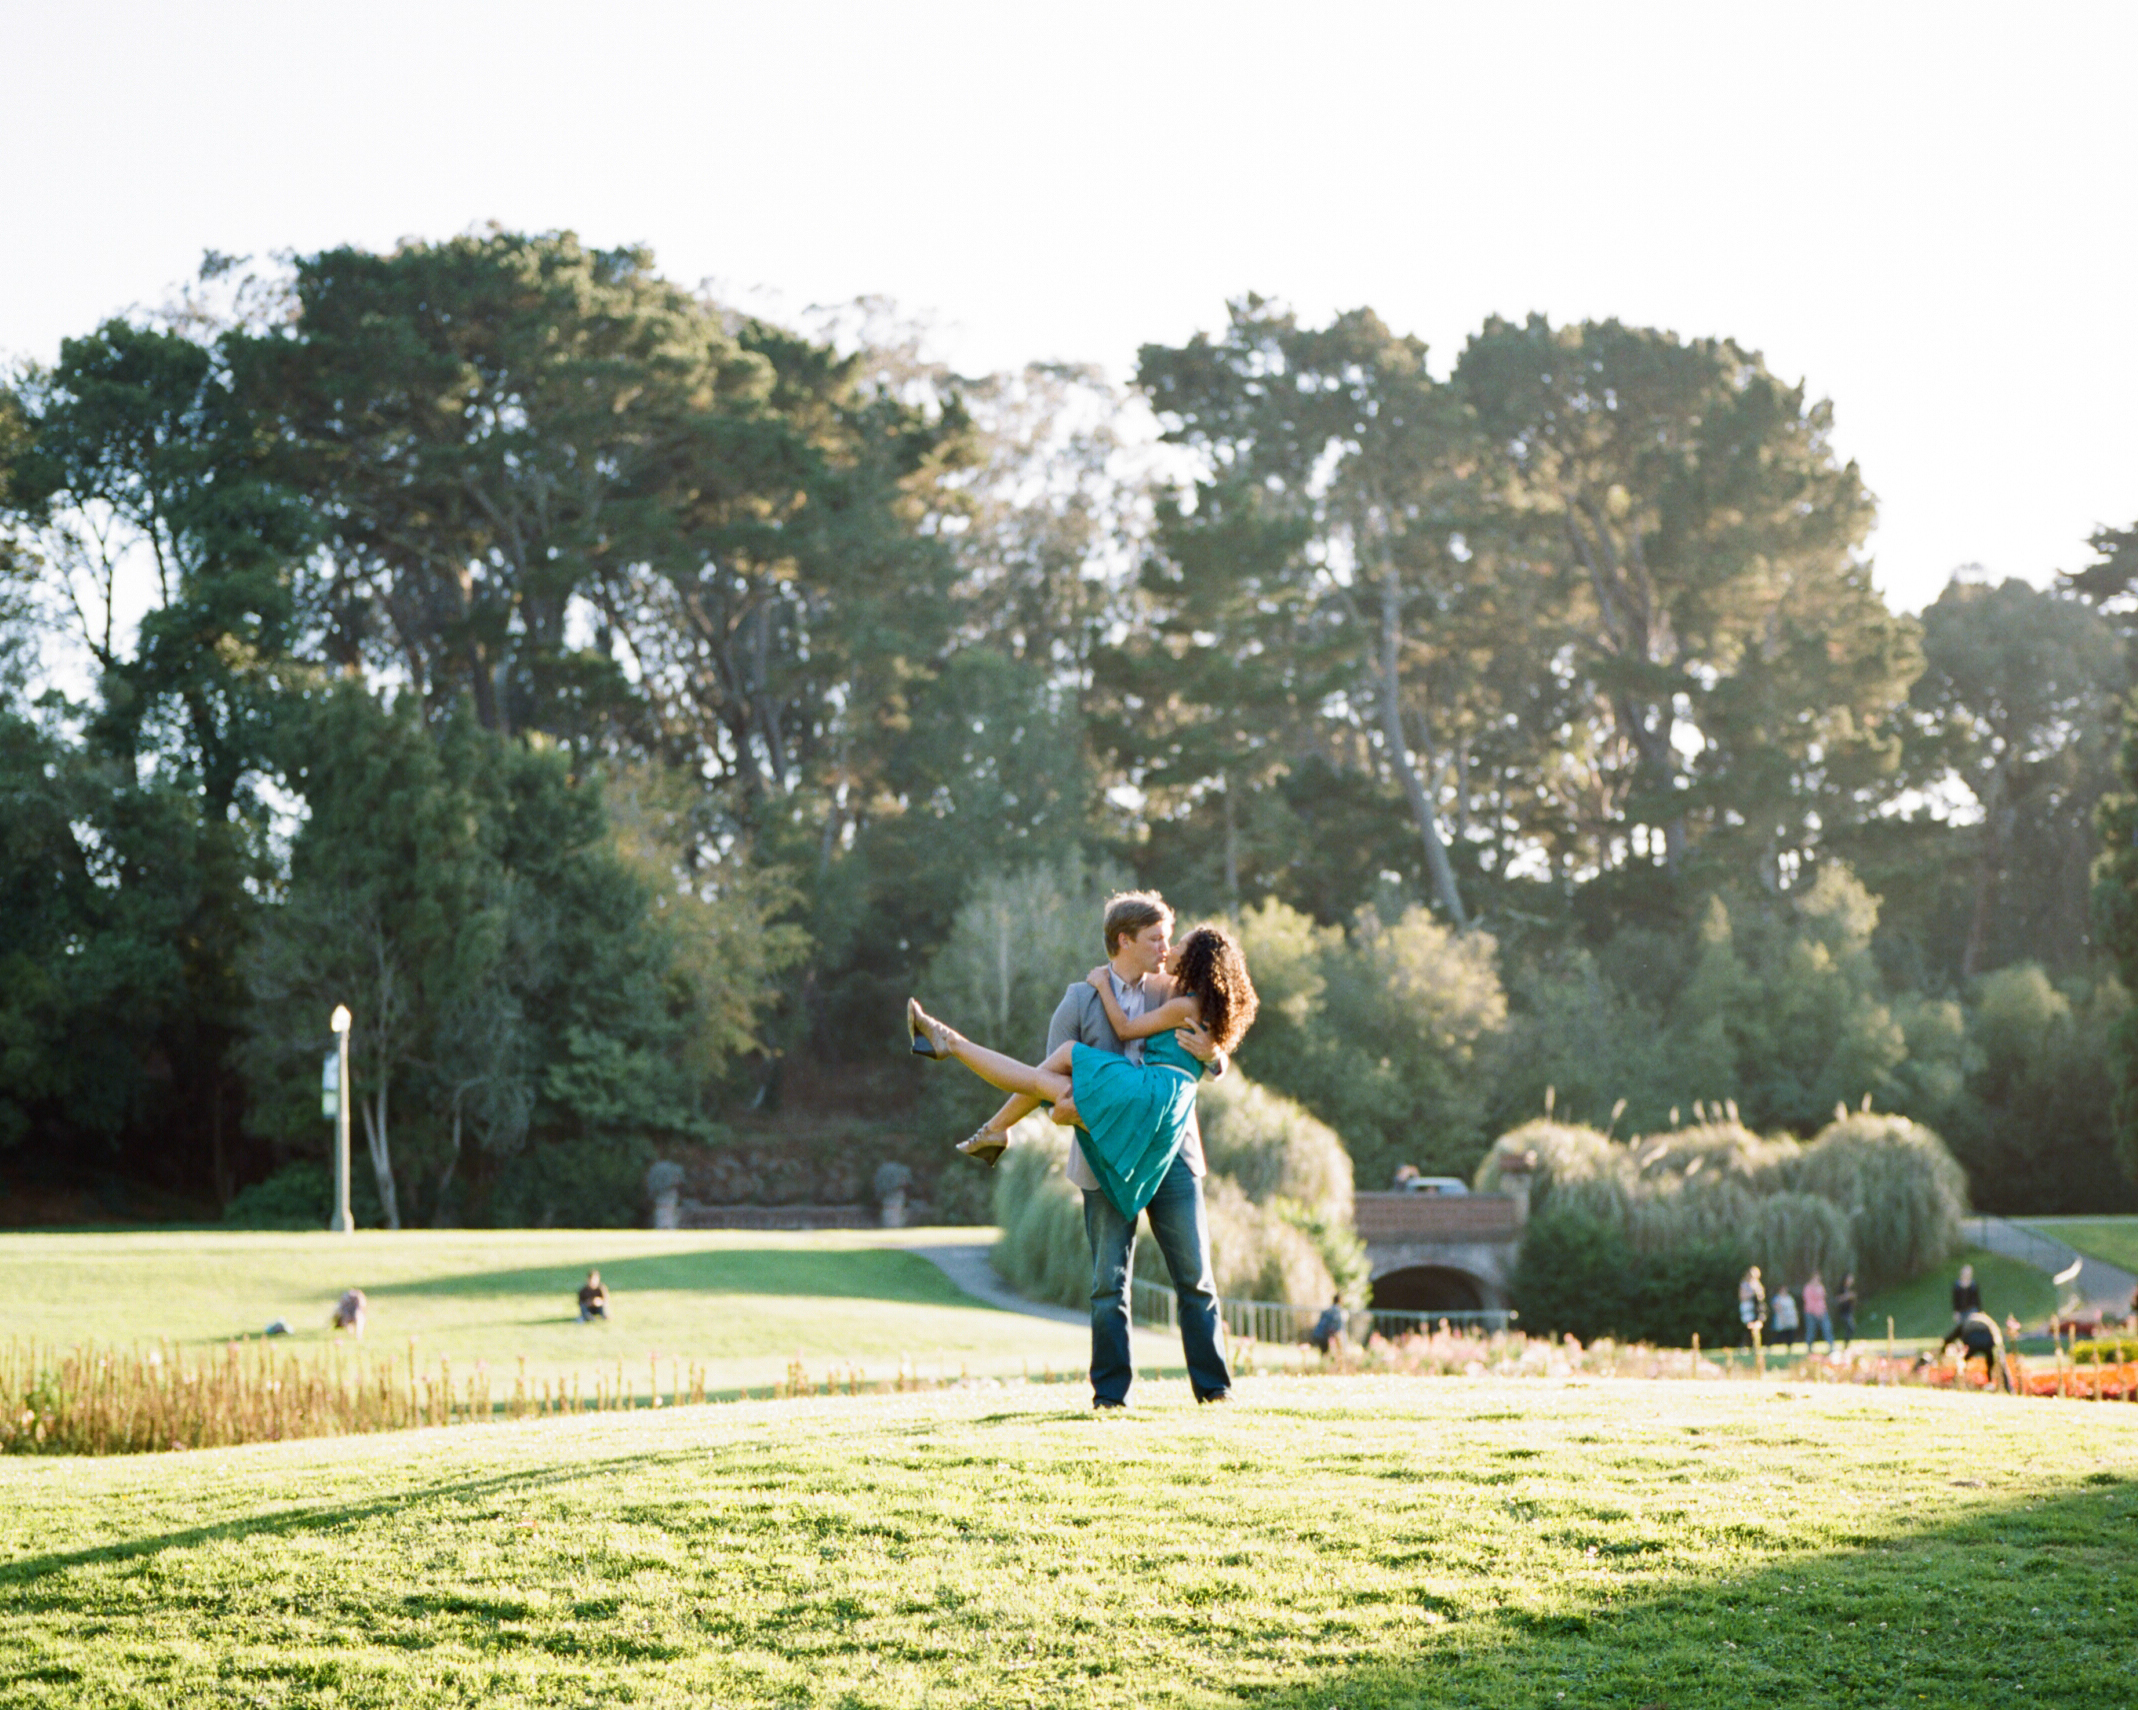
(1080, 1015)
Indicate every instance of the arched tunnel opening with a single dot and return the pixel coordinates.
(1427, 1288)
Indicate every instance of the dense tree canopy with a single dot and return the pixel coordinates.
(623, 702)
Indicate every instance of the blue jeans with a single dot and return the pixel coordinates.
(1818, 1327)
(1176, 1217)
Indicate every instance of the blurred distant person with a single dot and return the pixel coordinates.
(593, 1298)
(1845, 1309)
(349, 1311)
(1978, 1337)
(1783, 1308)
(1405, 1175)
(1818, 1323)
(1966, 1295)
(1329, 1327)
(1752, 1306)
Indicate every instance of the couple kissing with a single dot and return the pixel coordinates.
(1126, 1050)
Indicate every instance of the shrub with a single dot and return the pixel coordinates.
(1578, 1276)
(1043, 1254)
(301, 1196)
(1902, 1192)
(1564, 1154)
(1273, 1147)
(1795, 1234)
(1257, 1252)
(572, 1184)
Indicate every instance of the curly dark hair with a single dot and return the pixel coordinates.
(1209, 964)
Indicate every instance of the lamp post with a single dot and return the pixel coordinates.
(343, 1223)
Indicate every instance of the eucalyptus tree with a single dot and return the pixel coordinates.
(2016, 704)
(1324, 550)
(1704, 543)
(493, 426)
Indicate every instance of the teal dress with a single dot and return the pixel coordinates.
(1136, 1116)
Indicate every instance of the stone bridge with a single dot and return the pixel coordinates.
(1432, 1252)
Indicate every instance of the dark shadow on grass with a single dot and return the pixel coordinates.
(864, 1273)
(2027, 1602)
(26, 1570)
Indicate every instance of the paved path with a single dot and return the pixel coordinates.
(967, 1265)
(2098, 1283)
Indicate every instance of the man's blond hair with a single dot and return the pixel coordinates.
(1129, 912)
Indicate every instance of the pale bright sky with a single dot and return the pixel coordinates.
(1923, 211)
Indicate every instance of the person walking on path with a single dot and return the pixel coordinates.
(1137, 930)
(1818, 1324)
(1752, 1306)
(1845, 1309)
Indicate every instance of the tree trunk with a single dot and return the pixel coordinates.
(1232, 847)
(1437, 867)
(381, 1163)
(225, 1187)
(1988, 865)
(445, 1176)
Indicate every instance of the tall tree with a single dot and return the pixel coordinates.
(1705, 540)
(143, 475)
(1351, 481)
(2016, 705)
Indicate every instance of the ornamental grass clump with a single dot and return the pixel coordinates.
(1900, 1189)
(1277, 1204)
(1043, 1253)
(109, 1401)
(1877, 1195)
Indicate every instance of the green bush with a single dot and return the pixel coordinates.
(572, 1184)
(1578, 1276)
(1879, 1195)
(301, 1196)
(1796, 1234)
(1382, 1033)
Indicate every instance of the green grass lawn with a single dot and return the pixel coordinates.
(2112, 1238)
(742, 1305)
(1924, 1306)
(1322, 1542)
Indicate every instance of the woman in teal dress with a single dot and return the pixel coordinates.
(1134, 1115)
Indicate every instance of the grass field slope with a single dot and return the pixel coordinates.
(1354, 1542)
(742, 1306)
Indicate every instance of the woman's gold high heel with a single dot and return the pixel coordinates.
(986, 1144)
(923, 1029)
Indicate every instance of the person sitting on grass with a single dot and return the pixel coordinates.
(349, 1311)
(593, 1298)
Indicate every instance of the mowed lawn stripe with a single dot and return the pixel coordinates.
(1323, 1541)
